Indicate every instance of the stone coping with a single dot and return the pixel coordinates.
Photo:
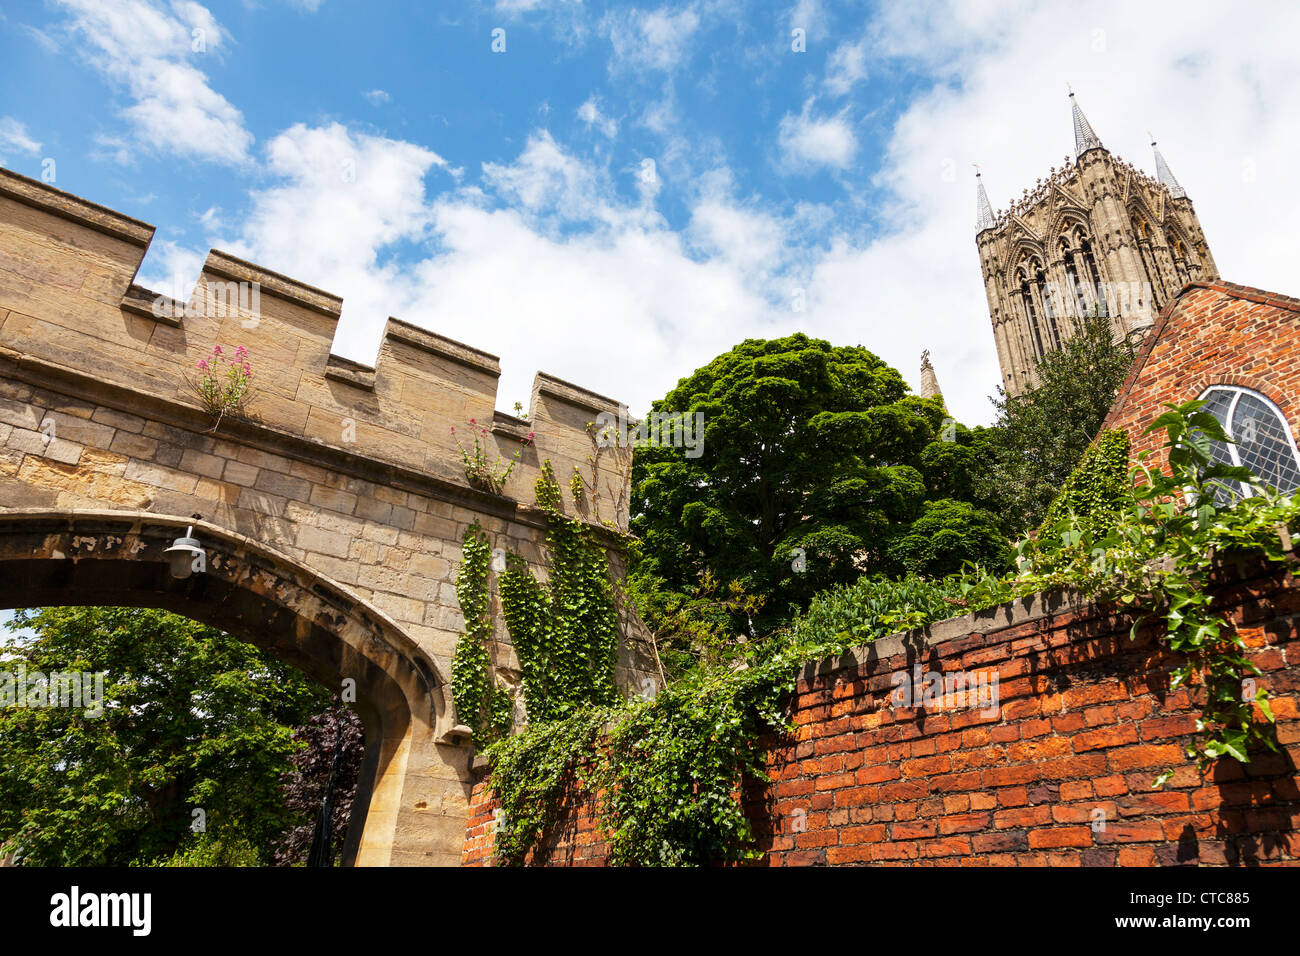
(40, 195)
(583, 398)
(309, 297)
(1034, 607)
(44, 374)
(435, 344)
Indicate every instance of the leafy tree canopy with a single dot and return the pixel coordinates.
(192, 719)
(817, 465)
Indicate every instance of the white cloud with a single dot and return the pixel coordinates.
(650, 40)
(377, 97)
(151, 50)
(113, 148)
(14, 136)
(516, 7)
(340, 199)
(542, 263)
(589, 112)
(40, 37)
(547, 262)
(211, 219)
(808, 15)
(171, 269)
(567, 19)
(1219, 92)
(748, 239)
(808, 141)
(553, 187)
(846, 67)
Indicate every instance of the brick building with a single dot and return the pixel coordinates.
(1236, 347)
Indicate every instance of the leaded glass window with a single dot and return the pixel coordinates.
(1263, 439)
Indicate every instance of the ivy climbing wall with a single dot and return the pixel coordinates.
(1058, 773)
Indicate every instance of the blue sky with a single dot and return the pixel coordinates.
(627, 190)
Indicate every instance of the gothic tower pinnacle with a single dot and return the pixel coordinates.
(929, 382)
(1166, 178)
(982, 203)
(1097, 236)
(1084, 138)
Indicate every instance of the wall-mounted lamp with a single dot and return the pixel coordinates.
(185, 556)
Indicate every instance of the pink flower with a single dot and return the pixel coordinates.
(530, 436)
(247, 369)
(453, 429)
(473, 421)
(216, 350)
(240, 354)
(203, 365)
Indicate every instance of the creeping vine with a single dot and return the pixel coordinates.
(480, 704)
(669, 771)
(565, 630)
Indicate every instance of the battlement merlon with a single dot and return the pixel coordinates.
(69, 299)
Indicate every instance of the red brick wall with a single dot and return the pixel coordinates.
(575, 840)
(1086, 722)
(1213, 333)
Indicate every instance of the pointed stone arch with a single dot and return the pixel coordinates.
(1064, 216)
(1017, 250)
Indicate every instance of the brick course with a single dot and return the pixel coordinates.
(1212, 333)
(1060, 776)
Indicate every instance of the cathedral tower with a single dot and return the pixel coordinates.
(1096, 234)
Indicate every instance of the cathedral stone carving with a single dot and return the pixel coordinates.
(1097, 235)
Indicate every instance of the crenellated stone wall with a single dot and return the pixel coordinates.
(343, 474)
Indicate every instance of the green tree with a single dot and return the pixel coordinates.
(1041, 434)
(192, 719)
(816, 463)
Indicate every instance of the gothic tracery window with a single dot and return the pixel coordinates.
(1030, 280)
(1142, 233)
(1178, 252)
(1083, 266)
(1263, 440)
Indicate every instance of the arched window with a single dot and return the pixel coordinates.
(1148, 257)
(1081, 268)
(1178, 252)
(1263, 439)
(1029, 284)
(1072, 297)
(1089, 261)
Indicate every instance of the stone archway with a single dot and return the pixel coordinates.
(110, 557)
(341, 495)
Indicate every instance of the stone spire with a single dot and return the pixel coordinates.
(929, 383)
(982, 202)
(1084, 138)
(1165, 176)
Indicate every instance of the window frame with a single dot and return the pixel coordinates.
(1247, 491)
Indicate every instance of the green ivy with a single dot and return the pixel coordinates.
(872, 607)
(480, 704)
(565, 630)
(1095, 491)
(1155, 556)
(670, 770)
(532, 771)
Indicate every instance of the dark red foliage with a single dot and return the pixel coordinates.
(304, 787)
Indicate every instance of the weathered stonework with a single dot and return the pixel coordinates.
(1096, 220)
(344, 484)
